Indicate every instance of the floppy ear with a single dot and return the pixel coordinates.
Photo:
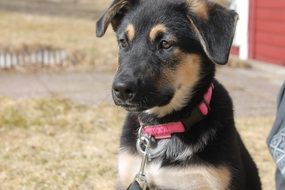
(113, 15)
(214, 26)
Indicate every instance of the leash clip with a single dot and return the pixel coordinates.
(143, 145)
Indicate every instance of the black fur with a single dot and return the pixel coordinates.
(224, 148)
(141, 65)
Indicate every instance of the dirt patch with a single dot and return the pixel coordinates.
(236, 62)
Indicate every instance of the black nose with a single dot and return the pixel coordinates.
(123, 90)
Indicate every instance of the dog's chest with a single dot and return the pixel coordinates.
(175, 178)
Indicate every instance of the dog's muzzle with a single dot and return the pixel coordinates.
(136, 94)
(124, 91)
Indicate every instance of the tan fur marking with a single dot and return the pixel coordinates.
(183, 79)
(166, 78)
(155, 30)
(130, 32)
(188, 71)
(199, 7)
(197, 177)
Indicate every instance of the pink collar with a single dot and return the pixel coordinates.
(164, 131)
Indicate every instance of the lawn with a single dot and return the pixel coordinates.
(20, 30)
(56, 144)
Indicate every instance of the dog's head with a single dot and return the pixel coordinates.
(166, 48)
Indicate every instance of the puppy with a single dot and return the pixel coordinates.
(165, 79)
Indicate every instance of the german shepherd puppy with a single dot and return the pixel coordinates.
(167, 55)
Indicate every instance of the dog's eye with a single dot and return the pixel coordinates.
(165, 44)
(123, 43)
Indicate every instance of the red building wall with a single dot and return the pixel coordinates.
(267, 31)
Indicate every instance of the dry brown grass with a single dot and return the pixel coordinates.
(56, 144)
(60, 32)
(68, 32)
(254, 132)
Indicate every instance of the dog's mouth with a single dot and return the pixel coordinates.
(144, 105)
(132, 107)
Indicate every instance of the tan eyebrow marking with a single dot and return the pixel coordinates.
(159, 28)
(130, 32)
